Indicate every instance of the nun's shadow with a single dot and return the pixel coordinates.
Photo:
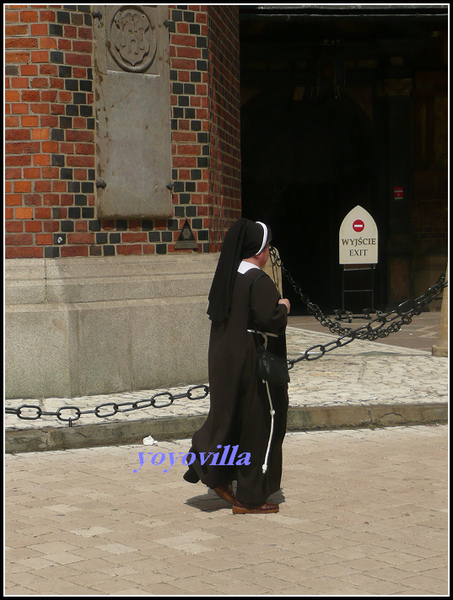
(210, 502)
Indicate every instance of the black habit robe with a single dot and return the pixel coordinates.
(240, 410)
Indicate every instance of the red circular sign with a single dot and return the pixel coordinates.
(358, 225)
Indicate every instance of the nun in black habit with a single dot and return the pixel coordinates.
(245, 414)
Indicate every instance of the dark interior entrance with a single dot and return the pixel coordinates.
(322, 92)
(306, 163)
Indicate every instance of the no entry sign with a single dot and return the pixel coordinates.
(358, 239)
(358, 225)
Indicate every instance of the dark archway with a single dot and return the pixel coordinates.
(305, 163)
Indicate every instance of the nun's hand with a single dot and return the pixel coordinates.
(285, 301)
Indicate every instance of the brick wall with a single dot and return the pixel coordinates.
(226, 161)
(50, 135)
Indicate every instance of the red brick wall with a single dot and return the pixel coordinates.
(50, 135)
(226, 160)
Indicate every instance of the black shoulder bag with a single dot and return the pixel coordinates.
(271, 368)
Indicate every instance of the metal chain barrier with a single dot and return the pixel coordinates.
(379, 327)
(70, 414)
(382, 326)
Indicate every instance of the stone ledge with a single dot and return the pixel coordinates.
(71, 280)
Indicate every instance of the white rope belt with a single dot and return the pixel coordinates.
(272, 411)
(263, 333)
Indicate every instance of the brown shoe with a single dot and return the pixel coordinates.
(250, 509)
(227, 494)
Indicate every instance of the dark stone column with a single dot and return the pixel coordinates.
(399, 246)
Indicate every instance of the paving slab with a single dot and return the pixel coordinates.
(362, 512)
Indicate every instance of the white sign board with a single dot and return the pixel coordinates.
(358, 238)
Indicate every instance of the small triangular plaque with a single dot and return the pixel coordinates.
(186, 238)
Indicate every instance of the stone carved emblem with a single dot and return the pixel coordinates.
(132, 41)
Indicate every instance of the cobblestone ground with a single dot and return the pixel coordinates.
(362, 512)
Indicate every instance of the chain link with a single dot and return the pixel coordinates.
(70, 414)
(373, 330)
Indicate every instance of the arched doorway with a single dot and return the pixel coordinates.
(305, 163)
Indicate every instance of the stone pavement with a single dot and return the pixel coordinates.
(421, 334)
(361, 384)
(362, 512)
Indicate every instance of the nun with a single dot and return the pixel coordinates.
(245, 413)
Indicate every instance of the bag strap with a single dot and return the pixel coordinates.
(255, 335)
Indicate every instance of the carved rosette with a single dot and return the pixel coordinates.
(132, 39)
